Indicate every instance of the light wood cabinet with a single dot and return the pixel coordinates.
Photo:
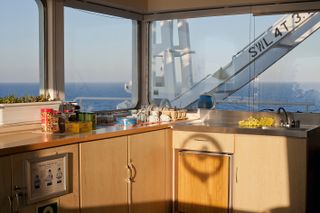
(68, 203)
(103, 176)
(269, 174)
(202, 182)
(147, 154)
(126, 174)
(5, 183)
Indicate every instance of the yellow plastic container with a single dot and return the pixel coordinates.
(78, 127)
(85, 126)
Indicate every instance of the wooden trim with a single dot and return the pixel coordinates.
(54, 42)
(169, 168)
(262, 9)
(99, 8)
(286, 8)
(144, 64)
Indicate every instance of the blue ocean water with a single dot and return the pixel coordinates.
(74, 90)
(293, 96)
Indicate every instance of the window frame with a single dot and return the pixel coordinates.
(144, 20)
(55, 45)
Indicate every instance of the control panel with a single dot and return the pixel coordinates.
(47, 177)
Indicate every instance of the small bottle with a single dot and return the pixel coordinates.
(55, 122)
(70, 115)
(61, 122)
(76, 110)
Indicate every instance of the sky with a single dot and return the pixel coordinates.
(98, 48)
(216, 39)
(19, 41)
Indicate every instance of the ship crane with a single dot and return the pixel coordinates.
(278, 40)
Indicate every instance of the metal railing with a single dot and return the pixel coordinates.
(306, 105)
(81, 99)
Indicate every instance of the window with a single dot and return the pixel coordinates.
(292, 81)
(19, 47)
(184, 52)
(100, 60)
(247, 62)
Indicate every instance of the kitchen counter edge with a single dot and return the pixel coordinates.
(32, 140)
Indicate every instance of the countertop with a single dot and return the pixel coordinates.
(23, 140)
(13, 142)
(205, 126)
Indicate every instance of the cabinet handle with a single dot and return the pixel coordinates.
(237, 170)
(17, 194)
(10, 203)
(134, 172)
(130, 173)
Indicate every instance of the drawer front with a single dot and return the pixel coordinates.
(199, 141)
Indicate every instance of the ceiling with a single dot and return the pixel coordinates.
(162, 6)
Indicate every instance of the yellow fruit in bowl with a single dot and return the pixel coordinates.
(253, 122)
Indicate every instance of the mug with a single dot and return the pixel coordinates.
(206, 101)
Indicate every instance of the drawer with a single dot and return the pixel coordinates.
(203, 141)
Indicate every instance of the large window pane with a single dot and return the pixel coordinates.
(184, 52)
(291, 81)
(100, 60)
(294, 81)
(19, 47)
(246, 62)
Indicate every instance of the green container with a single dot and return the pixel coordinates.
(82, 116)
(90, 116)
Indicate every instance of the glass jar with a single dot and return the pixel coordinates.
(49, 120)
(46, 119)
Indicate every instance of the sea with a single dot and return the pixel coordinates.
(295, 97)
(75, 90)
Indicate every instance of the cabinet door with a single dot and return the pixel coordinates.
(148, 156)
(103, 176)
(270, 174)
(202, 182)
(68, 203)
(5, 183)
